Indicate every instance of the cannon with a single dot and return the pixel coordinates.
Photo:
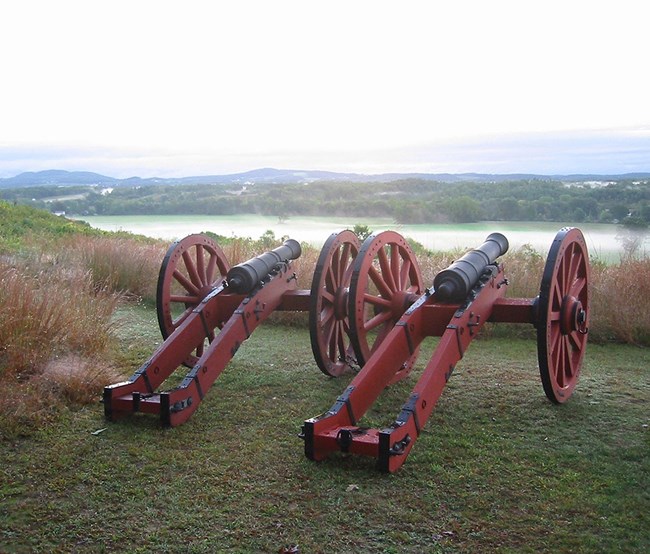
(463, 298)
(243, 278)
(455, 282)
(206, 309)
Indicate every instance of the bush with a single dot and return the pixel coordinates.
(121, 264)
(45, 316)
(619, 305)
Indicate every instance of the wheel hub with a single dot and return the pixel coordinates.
(573, 316)
(401, 301)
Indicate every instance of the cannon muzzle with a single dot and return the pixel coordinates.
(244, 277)
(454, 283)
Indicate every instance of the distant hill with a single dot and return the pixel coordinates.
(57, 177)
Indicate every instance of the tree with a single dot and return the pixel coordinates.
(362, 231)
(463, 209)
(619, 211)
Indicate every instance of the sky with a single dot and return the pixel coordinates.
(168, 88)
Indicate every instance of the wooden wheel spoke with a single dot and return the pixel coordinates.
(379, 282)
(555, 336)
(395, 259)
(200, 265)
(210, 269)
(405, 276)
(191, 269)
(185, 283)
(327, 296)
(333, 270)
(568, 366)
(575, 340)
(571, 269)
(194, 300)
(183, 316)
(344, 262)
(337, 343)
(377, 320)
(327, 313)
(578, 286)
(558, 355)
(561, 363)
(341, 340)
(331, 282)
(557, 294)
(376, 300)
(327, 327)
(386, 269)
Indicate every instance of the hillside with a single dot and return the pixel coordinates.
(405, 201)
(18, 222)
(284, 176)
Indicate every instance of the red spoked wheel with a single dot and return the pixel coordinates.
(191, 269)
(329, 325)
(386, 280)
(563, 314)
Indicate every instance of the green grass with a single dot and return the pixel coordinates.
(497, 468)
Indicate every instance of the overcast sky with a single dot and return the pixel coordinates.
(162, 88)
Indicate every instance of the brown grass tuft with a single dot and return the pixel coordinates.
(620, 306)
(46, 313)
(121, 264)
(75, 378)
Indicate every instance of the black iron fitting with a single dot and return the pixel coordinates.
(181, 405)
(345, 437)
(344, 400)
(409, 409)
(344, 440)
(399, 447)
(214, 292)
(142, 372)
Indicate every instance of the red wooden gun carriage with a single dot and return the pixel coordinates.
(369, 311)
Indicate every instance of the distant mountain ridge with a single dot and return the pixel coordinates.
(59, 177)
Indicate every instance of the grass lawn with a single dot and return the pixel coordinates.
(497, 468)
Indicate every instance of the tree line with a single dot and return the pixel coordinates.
(405, 201)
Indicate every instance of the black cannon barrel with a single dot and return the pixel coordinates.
(454, 283)
(244, 277)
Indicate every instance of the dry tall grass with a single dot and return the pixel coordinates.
(621, 301)
(120, 264)
(45, 316)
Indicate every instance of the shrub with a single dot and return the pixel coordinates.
(46, 315)
(619, 305)
(121, 264)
